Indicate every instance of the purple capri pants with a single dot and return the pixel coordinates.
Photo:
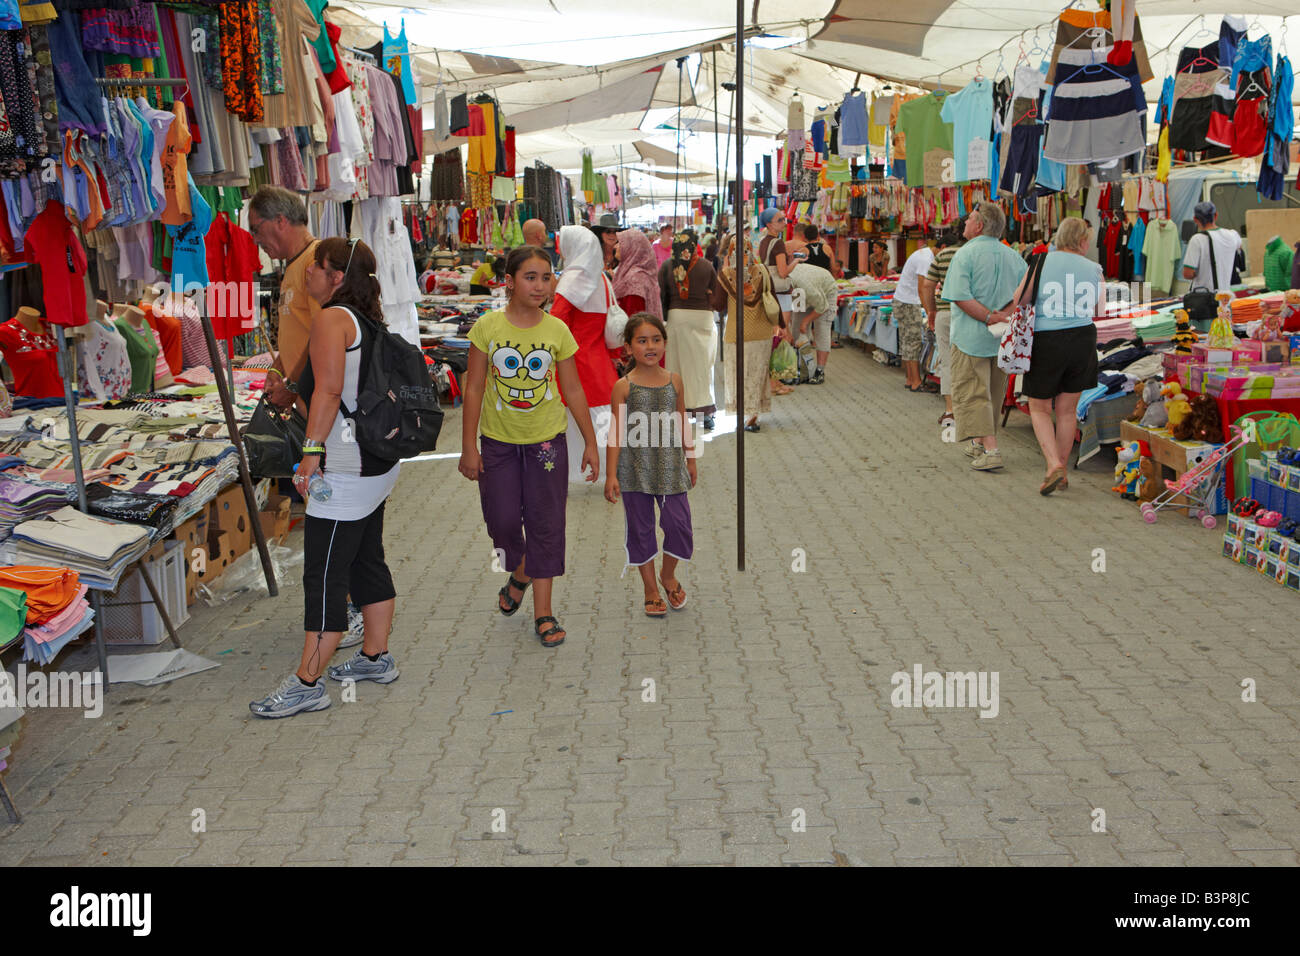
(674, 519)
(523, 490)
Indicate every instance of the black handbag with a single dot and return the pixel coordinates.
(1202, 305)
(273, 441)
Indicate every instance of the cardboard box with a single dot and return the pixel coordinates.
(1293, 344)
(275, 519)
(1276, 350)
(220, 555)
(230, 515)
(1204, 355)
(193, 535)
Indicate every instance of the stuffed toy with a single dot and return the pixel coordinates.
(1150, 397)
(1156, 416)
(1291, 311)
(1221, 336)
(1176, 405)
(1184, 335)
(1202, 423)
(1128, 471)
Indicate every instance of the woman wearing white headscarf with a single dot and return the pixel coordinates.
(583, 298)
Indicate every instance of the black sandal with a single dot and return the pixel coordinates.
(521, 586)
(554, 629)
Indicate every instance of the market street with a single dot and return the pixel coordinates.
(768, 735)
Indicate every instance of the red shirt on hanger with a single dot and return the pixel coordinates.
(51, 244)
(232, 261)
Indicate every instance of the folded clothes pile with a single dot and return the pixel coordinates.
(1155, 327)
(47, 607)
(1246, 310)
(96, 548)
(1120, 327)
(20, 501)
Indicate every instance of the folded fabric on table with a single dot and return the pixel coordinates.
(43, 652)
(154, 511)
(58, 624)
(21, 501)
(96, 548)
(49, 590)
(13, 615)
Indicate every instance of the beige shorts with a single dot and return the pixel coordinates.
(978, 388)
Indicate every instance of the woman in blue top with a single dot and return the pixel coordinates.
(1064, 361)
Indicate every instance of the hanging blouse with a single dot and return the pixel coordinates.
(296, 105)
(241, 60)
(397, 60)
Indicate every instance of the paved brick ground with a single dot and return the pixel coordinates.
(1119, 691)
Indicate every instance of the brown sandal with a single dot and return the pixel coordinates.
(1052, 481)
(656, 609)
(676, 596)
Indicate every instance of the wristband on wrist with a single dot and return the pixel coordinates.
(275, 372)
(313, 449)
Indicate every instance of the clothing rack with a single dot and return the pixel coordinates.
(118, 82)
(364, 54)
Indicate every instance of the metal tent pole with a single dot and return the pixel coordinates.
(232, 428)
(74, 439)
(677, 142)
(740, 287)
(717, 157)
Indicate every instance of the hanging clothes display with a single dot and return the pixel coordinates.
(1276, 161)
(1197, 76)
(385, 233)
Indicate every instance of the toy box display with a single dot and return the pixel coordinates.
(1269, 381)
(1257, 539)
(1194, 376)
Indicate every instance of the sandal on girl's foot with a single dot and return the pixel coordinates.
(548, 636)
(1065, 483)
(656, 608)
(676, 596)
(512, 604)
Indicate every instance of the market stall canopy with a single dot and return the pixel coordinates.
(914, 44)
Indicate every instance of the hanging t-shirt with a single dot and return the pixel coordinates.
(33, 358)
(1136, 240)
(189, 253)
(51, 243)
(970, 111)
(1162, 247)
(924, 130)
(175, 169)
(521, 405)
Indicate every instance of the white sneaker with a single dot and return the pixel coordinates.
(356, 631)
(989, 461)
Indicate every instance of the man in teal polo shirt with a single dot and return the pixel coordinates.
(981, 281)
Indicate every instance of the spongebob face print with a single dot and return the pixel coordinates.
(521, 374)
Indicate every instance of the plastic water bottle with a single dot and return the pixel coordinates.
(317, 487)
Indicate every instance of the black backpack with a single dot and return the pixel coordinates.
(397, 414)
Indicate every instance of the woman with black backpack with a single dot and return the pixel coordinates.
(345, 485)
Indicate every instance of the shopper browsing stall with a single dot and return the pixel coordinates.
(939, 316)
(686, 284)
(741, 299)
(345, 486)
(911, 318)
(980, 283)
(657, 466)
(772, 254)
(517, 359)
(277, 221)
(1211, 252)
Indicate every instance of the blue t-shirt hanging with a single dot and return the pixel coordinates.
(10, 19)
(1137, 238)
(189, 254)
(970, 111)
